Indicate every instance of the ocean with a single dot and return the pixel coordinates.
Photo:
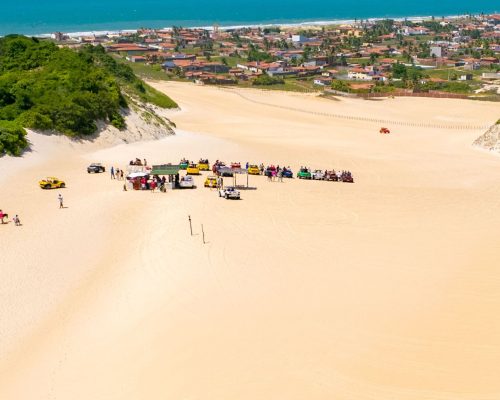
(45, 16)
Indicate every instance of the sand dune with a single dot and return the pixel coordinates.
(384, 289)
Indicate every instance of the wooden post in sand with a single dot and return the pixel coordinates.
(203, 233)
(190, 225)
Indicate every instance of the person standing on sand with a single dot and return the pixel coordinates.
(112, 172)
(121, 174)
(16, 220)
(2, 216)
(61, 205)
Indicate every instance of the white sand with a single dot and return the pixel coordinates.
(384, 289)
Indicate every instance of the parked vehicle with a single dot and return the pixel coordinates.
(229, 192)
(235, 165)
(51, 183)
(203, 165)
(331, 176)
(287, 173)
(192, 169)
(211, 181)
(346, 176)
(384, 131)
(183, 164)
(253, 170)
(186, 182)
(317, 175)
(96, 168)
(304, 173)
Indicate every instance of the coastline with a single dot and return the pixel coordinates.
(284, 24)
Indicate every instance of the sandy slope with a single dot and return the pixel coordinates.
(385, 289)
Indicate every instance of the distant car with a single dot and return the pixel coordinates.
(184, 164)
(253, 170)
(203, 165)
(229, 192)
(384, 130)
(51, 183)
(193, 169)
(235, 165)
(304, 173)
(346, 176)
(187, 182)
(317, 175)
(287, 173)
(96, 168)
(331, 176)
(211, 181)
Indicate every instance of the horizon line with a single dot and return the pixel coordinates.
(257, 25)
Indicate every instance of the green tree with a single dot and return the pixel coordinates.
(46, 87)
(341, 86)
(12, 138)
(266, 80)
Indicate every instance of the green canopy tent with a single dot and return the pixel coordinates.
(165, 169)
(168, 169)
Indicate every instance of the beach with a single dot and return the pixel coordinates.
(34, 18)
(387, 288)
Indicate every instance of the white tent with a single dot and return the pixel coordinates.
(137, 175)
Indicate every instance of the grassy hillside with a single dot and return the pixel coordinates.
(45, 87)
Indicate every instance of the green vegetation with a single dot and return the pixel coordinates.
(288, 85)
(400, 71)
(46, 87)
(254, 54)
(145, 71)
(451, 87)
(150, 95)
(341, 86)
(271, 29)
(267, 80)
(12, 138)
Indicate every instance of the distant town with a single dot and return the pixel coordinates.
(455, 56)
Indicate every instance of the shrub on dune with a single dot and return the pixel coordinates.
(45, 87)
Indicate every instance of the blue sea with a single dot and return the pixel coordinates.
(46, 16)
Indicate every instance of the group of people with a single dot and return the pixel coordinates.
(339, 176)
(118, 174)
(17, 220)
(138, 162)
(152, 184)
(275, 172)
(217, 165)
(344, 176)
(4, 216)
